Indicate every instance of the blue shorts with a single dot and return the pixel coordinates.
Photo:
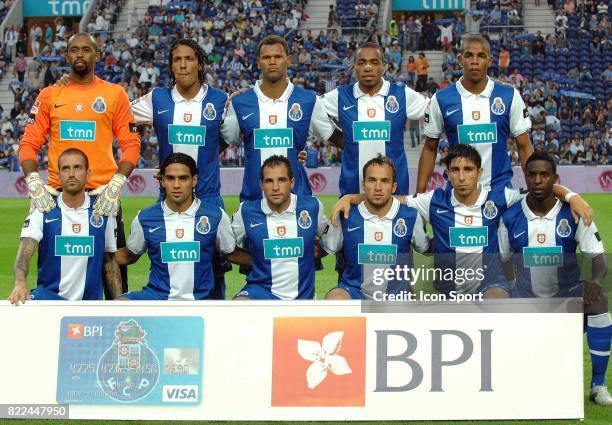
(566, 291)
(256, 292)
(146, 294)
(41, 293)
(354, 292)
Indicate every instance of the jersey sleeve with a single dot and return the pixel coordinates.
(142, 108)
(420, 239)
(420, 202)
(320, 124)
(434, 124)
(33, 226)
(37, 128)
(504, 243)
(330, 102)
(226, 243)
(519, 116)
(416, 104)
(589, 240)
(110, 242)
(230, 129)
(322, 221)
(238, 227)
(513, 196)
(332, 239)
(124, 129)
(136, 242)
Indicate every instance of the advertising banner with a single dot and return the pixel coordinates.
(429, 5)
(49, 8)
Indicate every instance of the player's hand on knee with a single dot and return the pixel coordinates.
(19, 294)
(108, 196)
(302, 157)
(41, 195)
(63, 81)
(591, 292)
(581, 209)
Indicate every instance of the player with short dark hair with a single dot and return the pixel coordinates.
(540, 237)
(76, 247)
(279, 233)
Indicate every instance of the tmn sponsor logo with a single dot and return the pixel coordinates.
(318, 361)
(283, 248)
(477, 133)
(267, 138)
(187, 134)
(180, 393)
(364, 131)
(84, 131)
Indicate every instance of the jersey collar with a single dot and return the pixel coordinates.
(284, 97)
(551, 215)
(481, 198)
(178, 98)
(384, 90)
(290, 209)
(367, 215)
(62, 205)
(485, 93)
(189, 212)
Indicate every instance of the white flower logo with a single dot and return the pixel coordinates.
(323, 357)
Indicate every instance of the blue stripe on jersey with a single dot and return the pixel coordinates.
(353, 273)
(159, 276)
(394, 148)
(209, 181)
(246, 106)
(517, 224)
(443, 217)
(449, 99)
(50, 265)
(261, 272)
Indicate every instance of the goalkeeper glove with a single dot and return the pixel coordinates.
(41, 194)
(108, 196)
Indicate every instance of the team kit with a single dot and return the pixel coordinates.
(488, 240)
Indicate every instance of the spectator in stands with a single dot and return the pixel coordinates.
(429, 32)
(569, 7)
(446, 34)
(371, 14)
(504, 59)
(459, 30)
(10, 42)
(411, 71)
(36, 36)
(495, 16)
(414, 28)
(360, 13)
(422, 71)
(20, 67)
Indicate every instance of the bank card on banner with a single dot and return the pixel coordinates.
(130, 360)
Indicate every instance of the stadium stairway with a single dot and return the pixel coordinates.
(132, 13)
(435, 58)
(318, 11)
(6, 95)
(538, 18)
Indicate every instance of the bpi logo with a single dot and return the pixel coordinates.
(319, 361)
(78, 331)
(317, 181)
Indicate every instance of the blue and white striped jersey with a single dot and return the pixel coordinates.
(373, 125)
(274, 127)
(71, 247)
(281, 244)
(544, 248)
(188, 126)
(181, 247)
(371, 242)
(465, 236)
(485, 121)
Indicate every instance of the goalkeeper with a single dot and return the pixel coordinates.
(87, 114)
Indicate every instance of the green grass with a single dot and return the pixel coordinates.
(13, 211)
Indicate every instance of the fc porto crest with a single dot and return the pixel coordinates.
(76, 228)
(203, 226)
(498, 107)
(210, 113)
(272, 119)
(99, 106)
(392, 106)
(378, 236)
(490, 210)
(304, 221)
(96, 221)
(475, 115)
(179, 233)
(468, 219)
(128, 371)
(400, 228)
(564, 229)
(541, 237)
(187, 117)
(295, 113)
(281, 230)
(371, 112)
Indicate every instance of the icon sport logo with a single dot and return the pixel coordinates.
(319, 361)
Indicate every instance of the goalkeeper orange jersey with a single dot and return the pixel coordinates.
(83, 116)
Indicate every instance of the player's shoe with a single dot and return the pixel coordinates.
(600, 395)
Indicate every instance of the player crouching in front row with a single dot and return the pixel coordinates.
(180, 235)
(75, 245)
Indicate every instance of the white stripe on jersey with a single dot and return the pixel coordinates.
(481, 104)
(371, 227)
(285, 271)
(181, 284)
(181, 110)
(369, 149)
(73, 269)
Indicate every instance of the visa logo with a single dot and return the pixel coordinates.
(364, 131)
(78, 330)
(78, 130)
(477, 133)
(194, 135)
(180, 393)
(266, 138)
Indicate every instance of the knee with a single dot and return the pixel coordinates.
(338, 294)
